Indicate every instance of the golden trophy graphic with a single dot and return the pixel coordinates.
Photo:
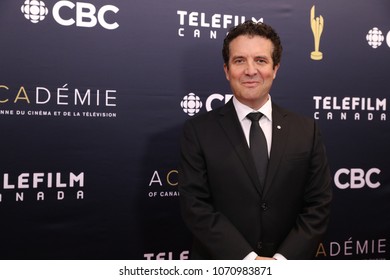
(317, 26)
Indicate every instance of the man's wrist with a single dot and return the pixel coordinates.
(251, 256)
(278, 256)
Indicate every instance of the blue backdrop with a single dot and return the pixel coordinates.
(93, 95)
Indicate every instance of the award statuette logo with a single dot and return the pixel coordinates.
(317, 26)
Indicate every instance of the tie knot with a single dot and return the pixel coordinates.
(256, 116)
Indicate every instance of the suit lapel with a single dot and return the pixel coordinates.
(232, 127)
(279, 140)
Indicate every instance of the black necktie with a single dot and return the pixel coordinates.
(258, 146)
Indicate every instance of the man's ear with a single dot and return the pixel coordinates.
(226, 69)
(276, 68)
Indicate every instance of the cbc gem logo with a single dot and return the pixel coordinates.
(34, 11)
(375, 37)
(191, 104)
(83, 14)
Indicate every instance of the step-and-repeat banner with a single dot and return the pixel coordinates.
(93, 96)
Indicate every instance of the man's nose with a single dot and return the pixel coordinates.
(250, 69)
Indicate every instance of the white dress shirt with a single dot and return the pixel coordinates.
(265, 122)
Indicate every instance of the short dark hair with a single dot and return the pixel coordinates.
(251, 29)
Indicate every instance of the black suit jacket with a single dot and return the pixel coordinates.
(225, 207)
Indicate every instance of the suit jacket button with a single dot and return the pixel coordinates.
(264, 206)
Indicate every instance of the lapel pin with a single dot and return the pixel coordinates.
(278, 127)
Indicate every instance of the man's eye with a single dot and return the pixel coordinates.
(261, 61)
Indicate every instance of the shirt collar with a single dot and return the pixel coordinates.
(243, 110)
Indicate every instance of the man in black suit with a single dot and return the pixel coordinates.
(234, 208)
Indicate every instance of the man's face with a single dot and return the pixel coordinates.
(251, 70)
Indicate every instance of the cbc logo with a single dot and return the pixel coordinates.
(356, 178)
(191, 103)
(375, 38)
(34, 11)
(83, 14)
